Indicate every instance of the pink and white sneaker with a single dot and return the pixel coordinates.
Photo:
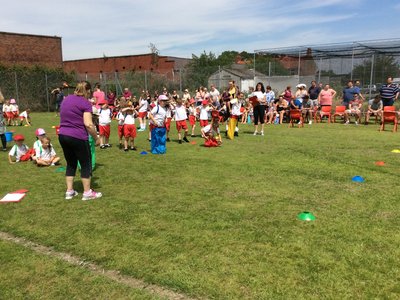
(91, 195)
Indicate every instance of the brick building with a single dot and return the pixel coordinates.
(307, 64)
(29, 50)
(166, 65)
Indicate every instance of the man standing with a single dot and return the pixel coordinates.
(313, 92)
(215, 96)
(127, 94)
(389, 92)
(349, 92)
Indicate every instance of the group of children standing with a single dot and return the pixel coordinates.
(159, 114)
(12, 114)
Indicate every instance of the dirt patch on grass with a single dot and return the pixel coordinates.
(111, 274)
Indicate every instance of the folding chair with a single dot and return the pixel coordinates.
(325, 111)
(389, 108)
(339, 112)
(389, 115)
(295, 115)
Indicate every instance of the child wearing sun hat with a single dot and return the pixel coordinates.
(14, 111)
(20, 151)
(157, 126)
(105, 116)
(7, 112)
(40, 134)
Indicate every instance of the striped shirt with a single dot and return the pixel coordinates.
(389, 91)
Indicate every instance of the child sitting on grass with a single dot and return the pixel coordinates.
(20, 151)
(40, 134)
(45, 155)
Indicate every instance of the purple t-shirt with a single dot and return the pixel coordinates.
(71, 117)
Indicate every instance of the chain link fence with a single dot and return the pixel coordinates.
(136, 81)
(367, 63)
(31, 87)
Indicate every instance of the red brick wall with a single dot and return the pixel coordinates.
(163, 65)
(28, 50)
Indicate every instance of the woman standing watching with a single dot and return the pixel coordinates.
(325, 97)
(259, 109)
(75, 126)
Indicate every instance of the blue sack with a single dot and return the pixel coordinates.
(159, 140)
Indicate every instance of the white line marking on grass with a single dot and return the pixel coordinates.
(111, 274)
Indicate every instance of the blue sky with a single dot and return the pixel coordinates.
(182, 28)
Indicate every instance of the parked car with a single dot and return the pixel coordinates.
(366, 88)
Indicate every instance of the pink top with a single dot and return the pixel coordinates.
(326, 97)
(100, 96)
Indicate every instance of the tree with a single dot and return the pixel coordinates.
(155, 53)
(384, 66)
(200, 68)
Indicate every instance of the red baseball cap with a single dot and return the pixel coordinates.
(19, 137)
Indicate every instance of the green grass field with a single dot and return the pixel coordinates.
(216, 223)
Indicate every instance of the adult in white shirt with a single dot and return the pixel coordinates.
(269, 96)
(215, 96)
(186, 96)
(259, 108)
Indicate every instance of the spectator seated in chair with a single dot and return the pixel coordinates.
(375, 107)
(353, 110)
(307, 109)
(281, 106)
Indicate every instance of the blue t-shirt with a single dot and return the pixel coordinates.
(298, 103)
(348, 93)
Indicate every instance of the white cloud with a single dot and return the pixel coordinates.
(179, 28)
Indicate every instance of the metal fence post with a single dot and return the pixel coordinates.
(219, 77)
(145, 80)
(16, 86)
(180, 81)
(298, 67)
(371, 76)
(352, 62)
(47, 92)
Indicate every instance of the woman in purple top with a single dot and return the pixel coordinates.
(75, 126)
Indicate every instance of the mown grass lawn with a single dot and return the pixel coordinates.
(221, 223)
